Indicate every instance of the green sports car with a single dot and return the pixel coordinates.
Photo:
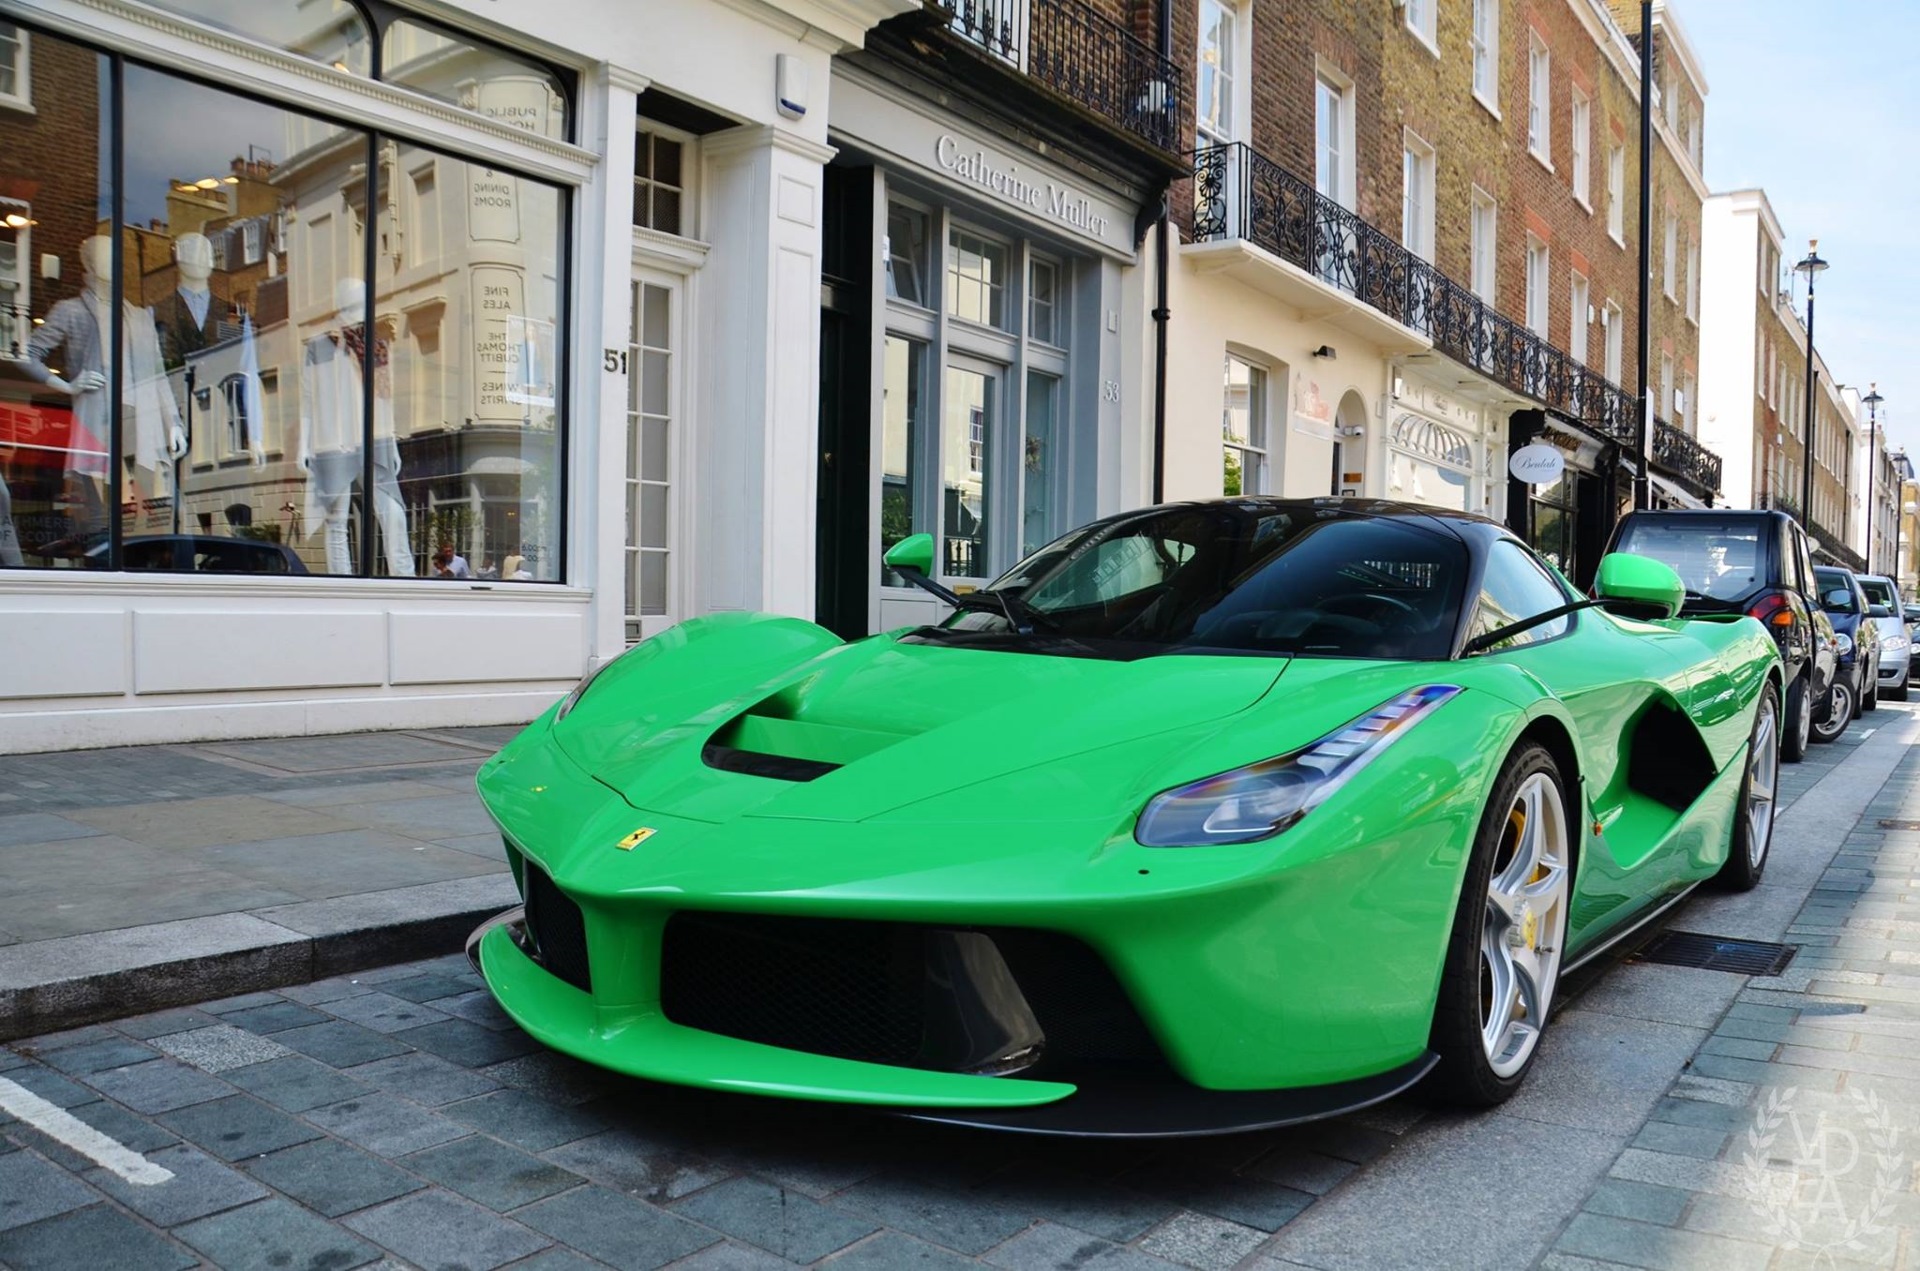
(1206, 817)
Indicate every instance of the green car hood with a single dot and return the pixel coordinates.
(903, 722)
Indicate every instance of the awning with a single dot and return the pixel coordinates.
(1676, 492)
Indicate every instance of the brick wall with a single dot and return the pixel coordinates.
(51, 160)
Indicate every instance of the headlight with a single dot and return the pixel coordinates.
(1263, 799)
(1842, 643)
(1894, 644)
(572, 699)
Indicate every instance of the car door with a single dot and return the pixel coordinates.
(1820, 641)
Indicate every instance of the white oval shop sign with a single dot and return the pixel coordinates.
(1538, 464)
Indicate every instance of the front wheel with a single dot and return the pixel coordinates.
(1839, 712)
(1799, 723)
(1898, 693)
(1503, 960)
(1753, 814)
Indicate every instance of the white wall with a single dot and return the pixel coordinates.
(1729, 304)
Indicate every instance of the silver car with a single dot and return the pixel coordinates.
(1896, 648)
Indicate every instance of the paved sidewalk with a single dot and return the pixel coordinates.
(155, 875)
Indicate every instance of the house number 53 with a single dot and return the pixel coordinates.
(1109, 390)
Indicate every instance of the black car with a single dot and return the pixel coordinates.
(201, 554)
(1857, 640)
(1734, 561)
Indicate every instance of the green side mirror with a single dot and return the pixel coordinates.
(914, 552)
(1640, 582)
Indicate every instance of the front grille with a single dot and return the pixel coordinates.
(875, 991)
(558, 930)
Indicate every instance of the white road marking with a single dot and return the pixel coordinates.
(60, 1124)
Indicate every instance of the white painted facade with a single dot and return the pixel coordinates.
(1734, 228)
(94, 659)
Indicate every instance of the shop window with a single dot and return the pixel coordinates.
(1043, 303)
(330, 31)
(15, 83)
(650, 439)
(659, 181)
(903, 424)
(968, 494)
(1551, 521)
(1243, 428)
(1430, 463)
(976, 278)
(906, 253)
(473, 76)
(1041, 463)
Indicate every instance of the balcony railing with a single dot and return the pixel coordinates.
(1239, 193)
(1082, 55)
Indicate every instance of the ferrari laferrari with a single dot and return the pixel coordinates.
(1206, 817)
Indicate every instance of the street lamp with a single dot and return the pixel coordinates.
(1811, 266)
(1872, 401)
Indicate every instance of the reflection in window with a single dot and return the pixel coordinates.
(1043, 303)
(1514, 588)
(659, 189)
(330, 31)
(649, 535)
(976, 279)
(907, 255)
(473, 76)
(900, 437)
(1040, 463)
(965, 475)
(470, 337)
(55, 421)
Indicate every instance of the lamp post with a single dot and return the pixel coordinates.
(1872, 401)
(1643, 481)
(1811, 267)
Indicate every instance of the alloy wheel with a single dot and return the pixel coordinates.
(1763, 778)
(1839, 712)
(1525, 925)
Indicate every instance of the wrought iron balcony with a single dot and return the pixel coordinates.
(1239, 193)
(1079, 54)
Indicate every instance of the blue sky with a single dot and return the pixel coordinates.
(1818, 103)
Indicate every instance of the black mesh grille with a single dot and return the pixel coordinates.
(559, 932)
(861, 990)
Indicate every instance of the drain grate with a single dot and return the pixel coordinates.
(1900, 825)
(1717, 953)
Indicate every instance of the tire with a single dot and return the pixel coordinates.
(1509, 935)
(1841, 700)
(1799, 723)
(1753, 815)
(1898, 693)
(1867, 696)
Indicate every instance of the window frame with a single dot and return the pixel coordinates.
(1580, 114)
(1693, 279)
(1617, 193)
(1421, 19)
(689, 145)
(1260, 376)
(1539, 99)
(1330, 83)
(1417, 219)
(1483, 257)
(1553, 581)
(21, 99)
(1615, 352)
(1539, 266)
(1670, 256)
(1483, 44)
(1579, 332)
(1239, 59)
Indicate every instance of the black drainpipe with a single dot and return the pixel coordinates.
(1160, 312)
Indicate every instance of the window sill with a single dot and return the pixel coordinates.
(1619, 240)
(17, 105)
(1541, 158)
(1424, 40)
(1490, 107)
(1584, 205)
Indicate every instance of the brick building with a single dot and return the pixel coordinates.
(1447, 201)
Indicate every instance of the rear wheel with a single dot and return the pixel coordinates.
(1870, 689)
(1839, 713)
(1898, 693)
(1799, 722)
(1753, 814)
(1503, 961)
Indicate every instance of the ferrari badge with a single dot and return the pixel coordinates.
(636, 838)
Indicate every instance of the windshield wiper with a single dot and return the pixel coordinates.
(1480, 643)
(1021, 616)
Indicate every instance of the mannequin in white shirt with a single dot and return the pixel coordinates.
(331, 398)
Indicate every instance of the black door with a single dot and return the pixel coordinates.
(846, 374)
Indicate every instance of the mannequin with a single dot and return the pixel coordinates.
(189, 317)
(79, 328)
(331, 389)
(9, 541)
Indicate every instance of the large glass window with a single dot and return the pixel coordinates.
(1243, 425)
(976, 279)
(649, 455)
(901, 429)
(966, 468)
(1539, 99)
(330, 31)
(1214, 83)
(1484, 42)
(907, 255)
(1041, 462)
(250, 381)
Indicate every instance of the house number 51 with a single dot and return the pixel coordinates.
(616, 361)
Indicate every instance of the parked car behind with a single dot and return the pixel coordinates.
(1896, 645)
(1734, 561)
(201, 553)
(1858, 652)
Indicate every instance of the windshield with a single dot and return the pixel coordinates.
(1879, 592)
(1716, 559)
(1836, 590)
(1260, 578)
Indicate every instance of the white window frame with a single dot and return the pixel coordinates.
(1483, 41)
(1666, 387)
(1239, 60)
(1330, 82)
(1670, 258)
(1268, 378)
(1422, 20)
(1615, 325)
(1483, 233)
(1539, 99)
(1579, 290)
(1693, 280)
(1617, 193)
(1539, 272)
(21, 99)
(16, 323)
(652, 267)
(689, 177)
(1419, 173)
(1694, 151)
(1582, 122)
